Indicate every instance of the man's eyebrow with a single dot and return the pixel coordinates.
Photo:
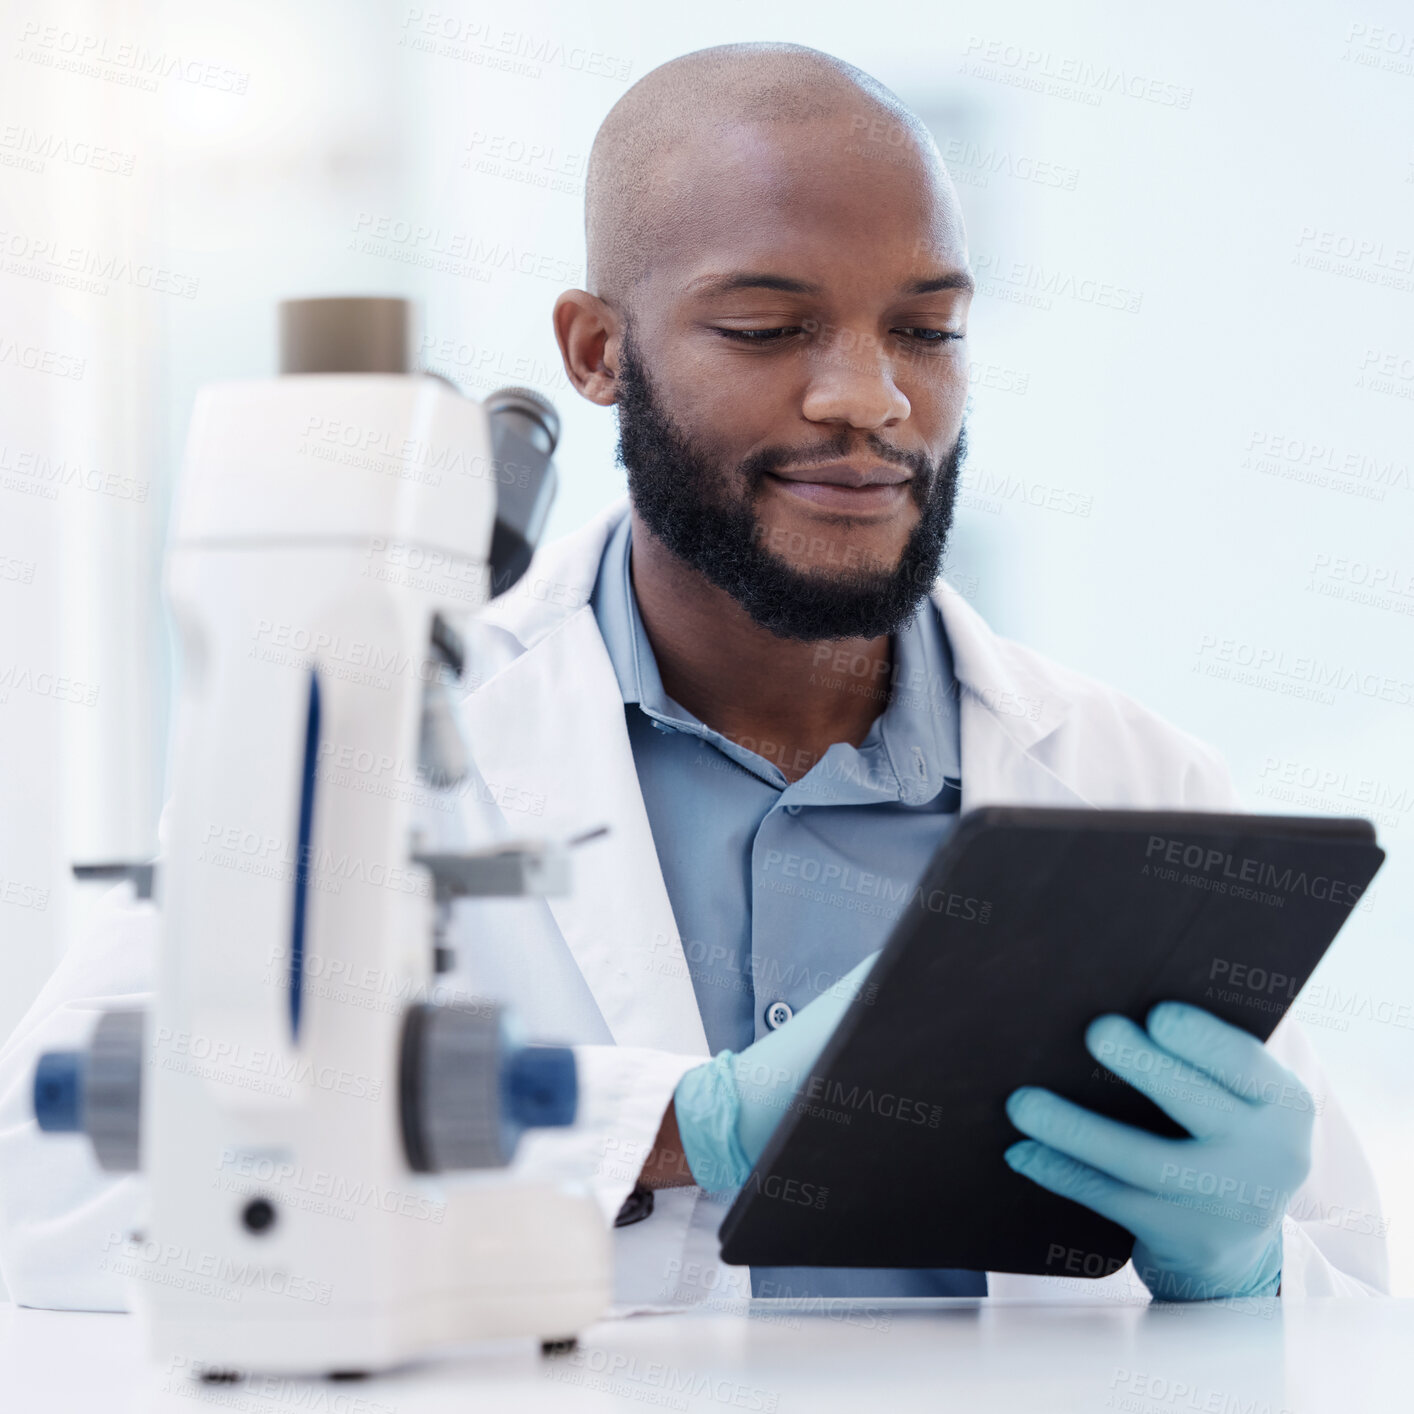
(710, 286)
(952, 280)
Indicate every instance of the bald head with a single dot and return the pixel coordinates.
(684, 125)
(777, 308)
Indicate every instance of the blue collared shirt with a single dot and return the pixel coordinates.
(780, 887)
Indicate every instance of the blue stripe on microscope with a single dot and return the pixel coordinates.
(302, 857)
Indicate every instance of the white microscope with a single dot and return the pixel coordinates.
(327, 1169)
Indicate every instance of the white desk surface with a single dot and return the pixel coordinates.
(1355, 1357)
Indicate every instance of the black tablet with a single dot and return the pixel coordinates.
(1027, 925)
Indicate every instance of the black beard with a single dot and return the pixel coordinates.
(682, 495)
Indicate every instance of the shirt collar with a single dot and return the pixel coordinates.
(911, 752)
(616, 609)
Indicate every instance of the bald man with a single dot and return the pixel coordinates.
(753, 674)
(778, 307)
(780, 319)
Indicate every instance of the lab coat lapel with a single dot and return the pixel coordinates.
(998, 770)
(552, 721)
(1006, 710)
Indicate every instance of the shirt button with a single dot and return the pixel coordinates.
(777, 1014)
(792, 810)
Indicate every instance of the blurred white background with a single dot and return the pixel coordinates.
(1193, 359)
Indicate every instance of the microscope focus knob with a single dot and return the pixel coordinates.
(467, 1091)
(97, 1091)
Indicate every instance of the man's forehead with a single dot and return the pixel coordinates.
(781, 162)
(772, 198)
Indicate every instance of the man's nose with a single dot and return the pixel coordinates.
(853, 382)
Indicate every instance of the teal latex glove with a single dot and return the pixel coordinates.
(728, 1108)
(1206, 1211)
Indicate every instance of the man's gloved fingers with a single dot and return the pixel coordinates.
(1238, 1061)
(1106, 1145)
(1069, 1178)
(1186, 1095)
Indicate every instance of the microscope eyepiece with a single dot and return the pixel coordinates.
(346, 334)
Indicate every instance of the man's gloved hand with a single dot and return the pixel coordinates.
(1206, 1211)
(728, 1108)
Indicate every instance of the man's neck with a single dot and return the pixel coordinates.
(786, 699)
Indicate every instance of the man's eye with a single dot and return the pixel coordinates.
(770, 336)
(758, 336)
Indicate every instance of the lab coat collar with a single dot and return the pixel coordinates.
(1009, 708)
(1005, 683)
(558, 581)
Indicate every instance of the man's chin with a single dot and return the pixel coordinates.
(823, 599)
(831, 550)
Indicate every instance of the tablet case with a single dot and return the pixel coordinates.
(1027, 925)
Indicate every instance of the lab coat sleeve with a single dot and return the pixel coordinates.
(62, 1218)
(1333, 1233)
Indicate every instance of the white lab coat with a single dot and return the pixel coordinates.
(603, 967)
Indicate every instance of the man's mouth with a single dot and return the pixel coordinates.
(842, 486)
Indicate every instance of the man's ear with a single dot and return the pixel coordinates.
(587, 331)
